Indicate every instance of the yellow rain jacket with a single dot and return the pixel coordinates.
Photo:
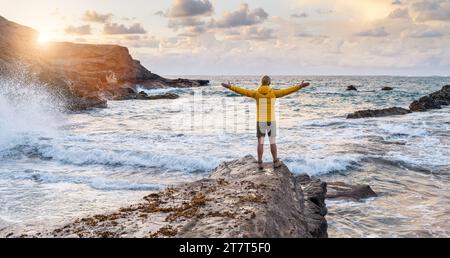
(265, 98)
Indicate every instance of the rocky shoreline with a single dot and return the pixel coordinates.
(237, 200)
(434, 100)
(85, 75)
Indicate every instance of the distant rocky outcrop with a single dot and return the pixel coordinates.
(132, 94)
(236, 200)
(433, 101)
(351, 88)
(378, 113)
(387, 88)
(86, 75)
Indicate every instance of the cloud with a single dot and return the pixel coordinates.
(129, 18)
(324, 11)
(144, 42)
(243, 16)
(397, 2)
(185, 22)
(114, 28)
(432, 11)
(300, 15)
(188, 26)
(133, 37)
(252, 33)
(424, 34)
(78, 30)
(190, 8)
(399, 13)
(309, 35)
(377, 32)
(193, 31)
(93, 16)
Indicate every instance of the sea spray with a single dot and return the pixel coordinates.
(28, 111)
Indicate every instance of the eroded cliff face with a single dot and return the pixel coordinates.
(236, 200)
(86, 75)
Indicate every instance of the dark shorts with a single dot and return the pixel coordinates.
(266, 128)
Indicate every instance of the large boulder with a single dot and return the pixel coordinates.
(341, 190)
(82, 72)
(378, 113)
(237, 200)
(433, 101)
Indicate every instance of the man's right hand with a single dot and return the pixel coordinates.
(304, 84)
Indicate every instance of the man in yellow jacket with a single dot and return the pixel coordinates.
(265, 98)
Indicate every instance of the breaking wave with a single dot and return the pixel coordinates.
(28, 111)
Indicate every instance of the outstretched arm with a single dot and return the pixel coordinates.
(285, 92)
(238, 90)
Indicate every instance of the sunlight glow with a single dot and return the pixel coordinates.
(43, 38)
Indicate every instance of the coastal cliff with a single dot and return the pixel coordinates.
(236, 200)
(86, 75)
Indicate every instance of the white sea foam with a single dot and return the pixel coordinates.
(27, 111)
(402, 129)
(155, 91)
(93, 182)
(315, 166)
(80, 156)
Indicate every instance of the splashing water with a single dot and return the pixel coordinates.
(28, 111)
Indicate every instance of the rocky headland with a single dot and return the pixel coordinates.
(85, 75)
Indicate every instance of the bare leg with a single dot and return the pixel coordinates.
(260, 149)
(274, 150)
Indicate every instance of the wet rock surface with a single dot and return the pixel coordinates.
(341, 190)
(433, 101)
(236, 200)
(378, 113)
(314, 191)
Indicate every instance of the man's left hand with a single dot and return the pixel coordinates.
(226, 85)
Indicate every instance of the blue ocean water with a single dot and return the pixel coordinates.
(55, 166)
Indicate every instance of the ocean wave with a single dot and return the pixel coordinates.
(83, 156)
(152, 92)
(93, 182)
(421, 160)
(330, 122)
(402, 130)
(315, 166)
(28, 111)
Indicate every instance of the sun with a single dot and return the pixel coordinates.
(43, 38)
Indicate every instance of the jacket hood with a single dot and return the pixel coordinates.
(264, 89)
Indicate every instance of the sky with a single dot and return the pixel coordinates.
(253, 37)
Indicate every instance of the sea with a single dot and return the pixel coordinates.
(56, 166)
